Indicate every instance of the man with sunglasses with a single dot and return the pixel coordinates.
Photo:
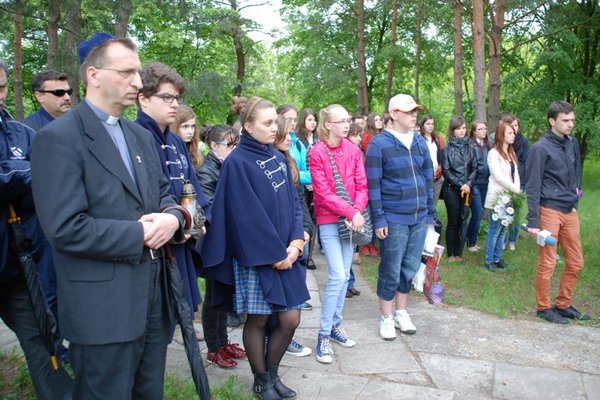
(16, 307)
(53, 92)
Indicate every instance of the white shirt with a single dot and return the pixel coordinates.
(433, 150)
(404, 138)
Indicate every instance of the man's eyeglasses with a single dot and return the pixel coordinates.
(125, 73)
(167, 97)
(231, 145)
(58, 92)
(342, 121)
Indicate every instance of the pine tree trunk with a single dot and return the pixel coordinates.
(497, 19)
(458, 93)
(479, 61)
(53, 19)
(18, 70)
(125, 10)
(390, 70)
(240, 55)
(73, 31)
(363, 98)
(419, 45)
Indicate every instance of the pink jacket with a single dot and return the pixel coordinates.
(349, 161)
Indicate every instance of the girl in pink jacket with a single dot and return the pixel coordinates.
(334, 123)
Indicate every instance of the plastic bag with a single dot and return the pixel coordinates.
(433, 286)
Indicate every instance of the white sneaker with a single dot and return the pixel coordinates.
(324, 351)
(473, 249)
(386, 328)
(403, 322)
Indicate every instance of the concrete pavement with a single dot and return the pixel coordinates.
(456, 354)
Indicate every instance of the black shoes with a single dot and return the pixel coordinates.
(571, 313)
(310, 264)
(491, 267)
(551, 315)
(284, 391)
(264, 388)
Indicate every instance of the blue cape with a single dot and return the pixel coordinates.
(174, 159)
(255, 215)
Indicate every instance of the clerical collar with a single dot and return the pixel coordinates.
(104, 117)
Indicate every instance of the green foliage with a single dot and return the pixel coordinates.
(549, 52)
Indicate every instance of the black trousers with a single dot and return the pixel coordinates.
(454, 210)
(131, 370)
(16, 311)
(214, 321)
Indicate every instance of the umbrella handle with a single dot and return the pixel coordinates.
(13, 218)
(466, 196)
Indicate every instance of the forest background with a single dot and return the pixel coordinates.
(474, 58)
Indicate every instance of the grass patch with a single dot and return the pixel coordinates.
(178, 388)
(14, 378)
(510, 293)
(15, 384)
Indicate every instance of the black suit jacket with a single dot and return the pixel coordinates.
(88, 206)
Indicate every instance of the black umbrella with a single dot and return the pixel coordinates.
(183, 314)
(465, 213)
(43, 316)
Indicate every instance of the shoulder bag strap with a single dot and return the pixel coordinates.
(340, 189)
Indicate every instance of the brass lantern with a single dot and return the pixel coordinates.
(190, 203)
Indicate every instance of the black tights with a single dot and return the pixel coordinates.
(280, 336)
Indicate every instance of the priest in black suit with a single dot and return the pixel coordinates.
(99, 190)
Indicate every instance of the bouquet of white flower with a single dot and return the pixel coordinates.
(504, 207)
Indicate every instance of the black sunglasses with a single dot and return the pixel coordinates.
(58, 92)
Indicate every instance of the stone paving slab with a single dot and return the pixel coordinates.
(515, 382)
(591, 384)
(396, 391)
(474, 335)
(311, 384)
(459, 374)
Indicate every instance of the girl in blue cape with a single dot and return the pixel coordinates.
(255, 241)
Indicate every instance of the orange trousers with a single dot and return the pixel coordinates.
(564, 227)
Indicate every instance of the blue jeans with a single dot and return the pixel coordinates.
(351, 279)
(477, 201)
(400, 258)
(494, 241)
(339, 255)
(513, 229)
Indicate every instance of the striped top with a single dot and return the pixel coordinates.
(400, 181)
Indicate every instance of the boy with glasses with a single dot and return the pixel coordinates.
(157, 102)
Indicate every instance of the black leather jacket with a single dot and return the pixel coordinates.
(459, 163)
(208, 175)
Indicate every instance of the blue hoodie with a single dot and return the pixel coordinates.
(400, 181)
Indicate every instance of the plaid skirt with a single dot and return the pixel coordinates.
(249, 297)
